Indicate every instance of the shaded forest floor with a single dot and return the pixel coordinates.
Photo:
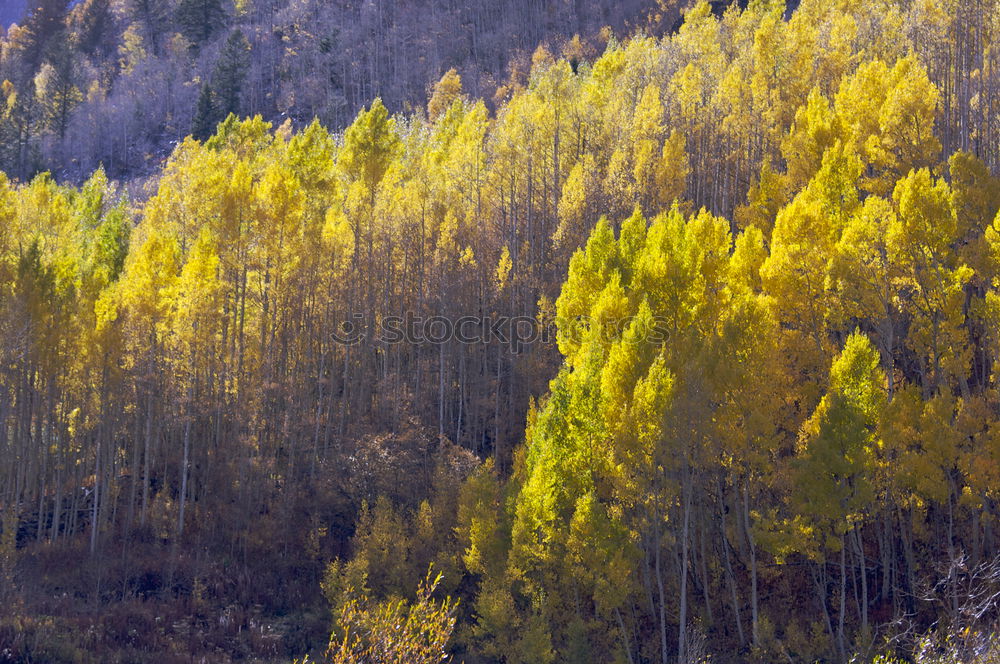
(127, 604)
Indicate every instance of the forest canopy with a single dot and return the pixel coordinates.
(120, 83)
(767, 427)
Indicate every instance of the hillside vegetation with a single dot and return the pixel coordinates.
(120, 83)
(762, 422)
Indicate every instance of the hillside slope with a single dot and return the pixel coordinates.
(139, 76)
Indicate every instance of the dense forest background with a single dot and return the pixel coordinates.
(120, 83)
(765, 427)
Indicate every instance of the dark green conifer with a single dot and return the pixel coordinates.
(206, 117)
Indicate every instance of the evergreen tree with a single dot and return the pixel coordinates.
(46, 19)
(206, 117)
(94, 25)
(230, 74)
(199, 20)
